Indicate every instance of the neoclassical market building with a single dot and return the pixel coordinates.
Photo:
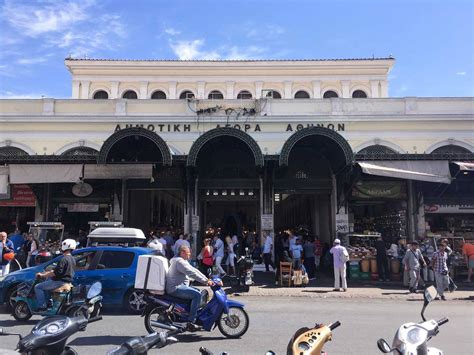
(257, 145)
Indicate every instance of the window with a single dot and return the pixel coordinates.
(186, 95)
(158, 95)
(101, 95)
(301, 95)
(83, 261)
(244, 95)
(450, 149)
(274, 94)
(115, 260)
(130, 94)
(377, 149)
(359, 94)
(329, 94)
(215, 95)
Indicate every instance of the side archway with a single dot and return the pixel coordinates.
(136, 133)
(16, 147)
(449, 142)
(220, 132)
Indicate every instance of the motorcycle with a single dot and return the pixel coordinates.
(49, 336)
(60, 303)
(306, 341)
(141, 345)
(165, 312)
(244, 272)
(412, 338)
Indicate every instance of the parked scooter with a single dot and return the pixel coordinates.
(141, 345)
(49, 336)
(412, 338)
(244, 272)
(165, 312)
(60, 303)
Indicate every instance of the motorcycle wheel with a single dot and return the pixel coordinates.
(234, 324)
(21, 311)
(77, 311)
(10, 296)
(156, 314)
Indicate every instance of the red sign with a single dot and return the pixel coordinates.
(22, 196)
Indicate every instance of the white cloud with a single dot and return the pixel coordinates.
(266, 31)
(29, 61)
(172, 32)
(14, 95)
(194, 50)
(461, 73)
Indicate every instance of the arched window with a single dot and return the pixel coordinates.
(80, 151)
(186, 95)
(101, 95)
(377, 149)
(7, 152)
(158, 95)
(274, 94)
(130, 94)
(450, 149)
(244, 95)
(329, 94)
(215, 95)
(301, 95)
(359, 94)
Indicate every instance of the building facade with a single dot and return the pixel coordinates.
(242, 146)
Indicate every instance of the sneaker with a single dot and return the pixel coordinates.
(191, 327)
(343, 289)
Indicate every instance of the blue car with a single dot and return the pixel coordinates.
(115, 267)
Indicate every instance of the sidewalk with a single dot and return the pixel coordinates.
(322, 287)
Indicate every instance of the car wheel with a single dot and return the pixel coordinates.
(134, 301)
(10, 297)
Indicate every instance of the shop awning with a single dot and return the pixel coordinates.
(3, 180)
(465, 166)
(44, 173)
(432, 171)
(118, 171)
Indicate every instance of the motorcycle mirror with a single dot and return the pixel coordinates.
(429, 295)
(94, 290)
(269, 352)
(383, 346)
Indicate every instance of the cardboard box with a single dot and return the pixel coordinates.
(151, 273)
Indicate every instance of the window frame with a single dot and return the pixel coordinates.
(244, 92)
(215, 92)
(100, 91)
(129, 91)
(301, 91)
(159, 98)
(331, 97)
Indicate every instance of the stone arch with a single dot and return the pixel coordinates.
(224, 131)
(130, 132)
(456, 142)
(387, 144)
(20, 146)
(77, 144)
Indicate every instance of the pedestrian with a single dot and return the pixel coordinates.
(230, 262)
(296, 254)
(340, 257)
(33, 248)
(182, 240)
(292, 238)
(218, 254)
(207, 260)
(318, 251)
(279, 255)
(7, 253)
(382, 260)
(440, 268)
(413, 261)
(309, 256)
(82, 239)
(468, 252)
(236, 242)
(267, 253)
(168, 237)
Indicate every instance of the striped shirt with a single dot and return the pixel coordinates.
(438, 261)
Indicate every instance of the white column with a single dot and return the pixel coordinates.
(85, 89)
(143, 90)
(317, 89)
(229, 89)
(258, 89)
(201, 86)
(346, 88)
(288, 89)
(384, 92)
(374, 88)
(172, 89)
(75, 89)
(114, 87)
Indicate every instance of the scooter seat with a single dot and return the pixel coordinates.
(67, 287)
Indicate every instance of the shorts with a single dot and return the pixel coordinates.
(471, 263)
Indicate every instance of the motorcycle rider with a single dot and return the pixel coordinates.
(180, 273)
(62, 273)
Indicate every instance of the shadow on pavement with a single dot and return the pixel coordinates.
(318, 291)
(14, 323)
(100, 340)
(193, 338)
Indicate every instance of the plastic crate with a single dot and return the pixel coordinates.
(365, 275)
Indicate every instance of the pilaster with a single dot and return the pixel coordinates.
(317, 89)
(288, 89)
(143, 90)
(346, 88)
(85, 85)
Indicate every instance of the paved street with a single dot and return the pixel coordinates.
(273, 322)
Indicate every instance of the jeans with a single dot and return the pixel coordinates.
(41, 291)
(189, 293)
(442, 283)
(340, 273)
(297, 263)
(267, 258)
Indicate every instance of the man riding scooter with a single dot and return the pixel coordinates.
(180, 273)
(63, 273)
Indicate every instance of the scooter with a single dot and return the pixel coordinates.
(141, 345)
(61, 302)
(412, 338)
(165, 312)
(244, 268)
(49, 336)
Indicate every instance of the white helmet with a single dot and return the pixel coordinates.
(156, 246)
(68, 244)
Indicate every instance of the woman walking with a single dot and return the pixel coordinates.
(207, 260)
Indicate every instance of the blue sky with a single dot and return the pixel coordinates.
(432, 41)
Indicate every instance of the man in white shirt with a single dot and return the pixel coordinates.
(340, 255)
(218, 253)
(267, 252)
(183, 240)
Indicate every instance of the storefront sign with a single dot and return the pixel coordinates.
(434, 208)
(267, 222)
(379, 189)
(21, 196)
(246, 127)
(342, 223)
(83, 207)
